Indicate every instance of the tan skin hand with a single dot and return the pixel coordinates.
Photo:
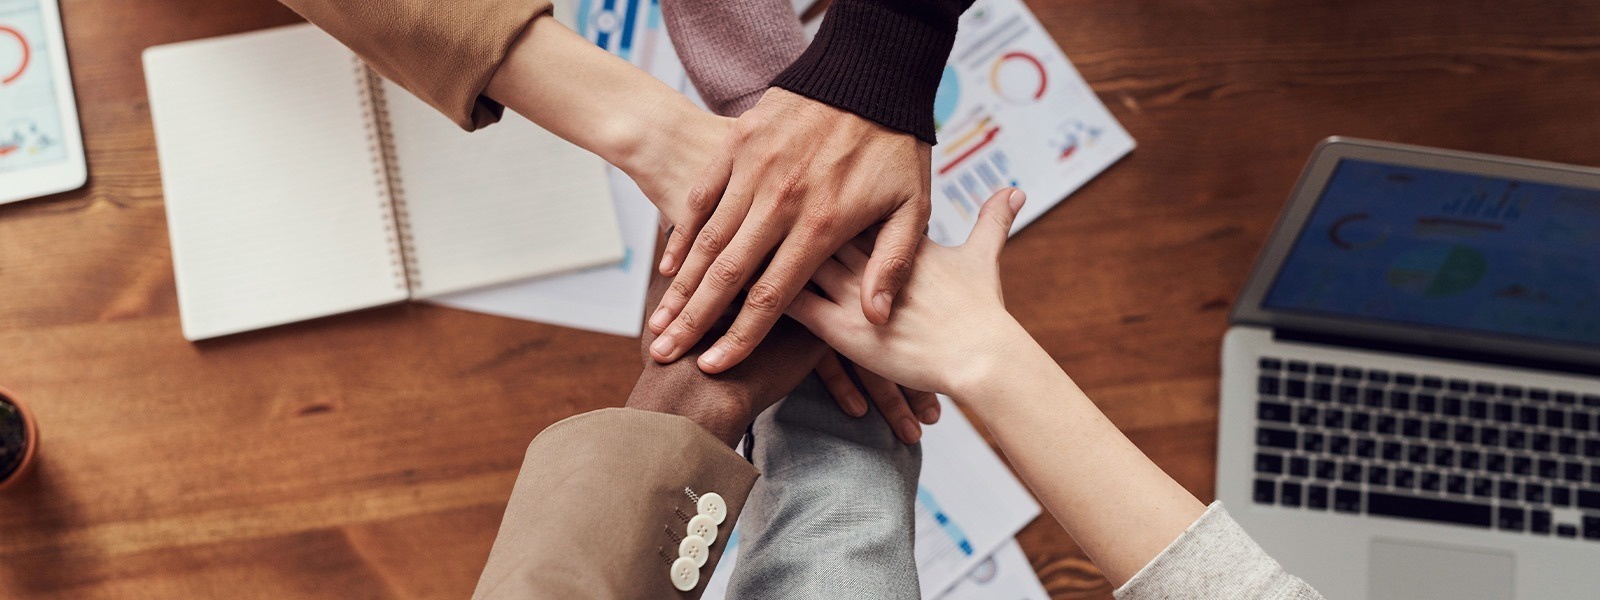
(797, 181)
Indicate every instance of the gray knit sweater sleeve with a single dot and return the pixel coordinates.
(1214, 558)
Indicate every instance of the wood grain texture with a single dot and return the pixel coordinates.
(370, 455)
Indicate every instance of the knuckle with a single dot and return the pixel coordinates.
(764, 297)
(701, 200)
(726, 273)
(823, 220)
(687, 323)
(738, 337)
(680, 289)
(710, 239)
(896, 271)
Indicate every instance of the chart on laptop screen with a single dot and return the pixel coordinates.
(30, 128)
(1445, 249)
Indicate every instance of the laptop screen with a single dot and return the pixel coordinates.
(1451, 250)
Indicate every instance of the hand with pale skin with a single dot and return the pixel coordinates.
(797, 180)
(951, 333)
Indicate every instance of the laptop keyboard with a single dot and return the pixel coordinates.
(1412, 446)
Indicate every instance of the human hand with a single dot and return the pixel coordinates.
(798, 180)
(726, 403)
(901, 408)
(683, 149)
(951, 324)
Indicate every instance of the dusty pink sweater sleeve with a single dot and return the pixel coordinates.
(733, 49)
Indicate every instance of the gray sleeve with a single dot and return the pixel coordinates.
(1214, 558)
(833, 512)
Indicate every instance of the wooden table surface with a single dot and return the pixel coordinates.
(370, 455)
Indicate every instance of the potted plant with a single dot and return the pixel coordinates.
(19, 439)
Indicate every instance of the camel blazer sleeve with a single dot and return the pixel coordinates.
(602, 504)
(442, 51)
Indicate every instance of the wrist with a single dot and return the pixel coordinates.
(665, 148)
(714, 409)
(990, 361)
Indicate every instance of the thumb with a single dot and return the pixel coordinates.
(889, 267)
(994, 221)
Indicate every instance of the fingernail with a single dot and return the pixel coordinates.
(910, 432)
(858, 405)
(713, 358)
(660, 320)
(1016, 199)
(930, 415)
(881, 302)
(666, 263)
(663, 346)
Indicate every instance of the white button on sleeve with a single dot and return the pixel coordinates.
(695, 547)
(713, 506)
(685, 575)
(704, 527)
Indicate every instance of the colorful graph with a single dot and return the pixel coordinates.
(947, 98)
(623, 27)
(25, 54)
(1018, 77)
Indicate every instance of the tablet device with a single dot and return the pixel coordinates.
(41, 148)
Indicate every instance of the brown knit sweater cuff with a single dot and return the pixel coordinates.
(880, 59)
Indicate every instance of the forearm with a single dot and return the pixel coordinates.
(580, 92)
(1120, 507)
(732, 49)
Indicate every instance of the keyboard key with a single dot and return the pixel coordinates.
(1456, 484)
(1516, 439)
(1567, 445)
(1294, 388)
(1549, 469)
(1347, 500)
(1579, 421)
(1511, 518)
(1350, 473)
(1339, 445)
(1477, 410)
(1405, 478)
(1539, 521)
(1327, 469)
(1459, 385)
(1489, 436)
(1360, 421)
(1290, 495)
(1591, 528)
(1542, 443)
(1463, 433)
(1484, 389)
(1471, 460)
(1299, 466)
(1275, 438)
(1503, 412)
(1417, 454)
(1350, 373)
(1308, 415)
(1366, 447)
(1494, 462)
(1594, 474)
(1429, 481)
(1321, 391)
(1333, 418)
(1377, 376)
(1508, 489)
(1533, 493)
(1439, 431)
(1589, 499)
(1387, 425)
(1555, 418)
(1400, 400)
(1266, 492)
(1269, 464)
(1273, 411)
(1428, 509)
(1444, 457)
(1392, 451)
(1411, 428)
(1317, 497)
(1405, 379)
(1591, 400)
(1539, 395)
(1482, 487)
(1373, 397)
(1511, 391)
(1591, 447)
(1450, 406)
(1427, 403)
(1432, 383)
(1560, 495)
(1268, 385)
(1528, 415)
(1269, 364)
(1312, 442)
(1325, 370)
(1297, 366)
(1566, 398)
(1378, 475)
(1566, 531)
(1349, 394)
(1521, 465)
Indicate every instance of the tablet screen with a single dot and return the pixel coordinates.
(1451, 250)
(30, 118)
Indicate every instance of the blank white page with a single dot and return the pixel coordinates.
(274, 207)
(507, 202)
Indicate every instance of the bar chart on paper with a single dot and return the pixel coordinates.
(1012, 111)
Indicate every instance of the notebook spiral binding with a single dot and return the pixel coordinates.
(380, 144)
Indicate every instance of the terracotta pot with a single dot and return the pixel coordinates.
(30, 449)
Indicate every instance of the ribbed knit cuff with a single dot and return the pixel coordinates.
(880, 59)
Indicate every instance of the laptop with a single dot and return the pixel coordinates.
(1411, 379)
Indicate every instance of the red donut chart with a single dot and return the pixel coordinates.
(1024, 57)
(27, 54)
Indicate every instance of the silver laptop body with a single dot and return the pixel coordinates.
(1410, 403)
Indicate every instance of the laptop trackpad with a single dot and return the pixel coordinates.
(1412, 571)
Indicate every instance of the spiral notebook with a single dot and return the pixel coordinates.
(300, 184)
